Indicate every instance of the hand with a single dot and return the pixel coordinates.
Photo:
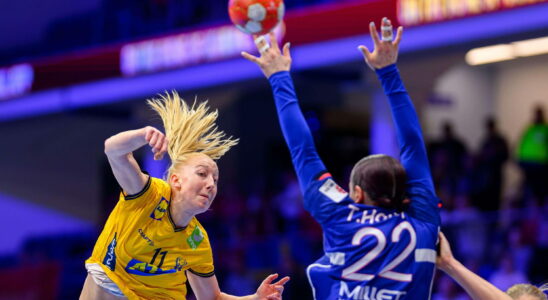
(271, 291)
(157, 141)
(445, 256)
(386, 51)
(271, 60)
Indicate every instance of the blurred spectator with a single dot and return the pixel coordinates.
(289, 202)
(447, 157)
(238, 282)
(507, 274)
(447, 289)
(469, 229)
(492, 155)
(533, 156)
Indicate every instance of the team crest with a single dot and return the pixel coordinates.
(180, 263)
(334, 192)
(160, 209)
(195, 238)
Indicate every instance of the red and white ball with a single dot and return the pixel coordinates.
(256, 16)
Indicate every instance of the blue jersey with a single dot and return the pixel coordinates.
(370, 253)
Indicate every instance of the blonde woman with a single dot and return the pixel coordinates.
(477, 287)
(152, 242)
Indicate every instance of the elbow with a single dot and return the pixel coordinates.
(109, 147)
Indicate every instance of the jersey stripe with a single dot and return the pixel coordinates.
(135, 196)
(202, 274)
(425, 255)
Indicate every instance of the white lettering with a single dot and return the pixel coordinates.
(370, 216)
(366, 216)
(368, 293)
(380, 216)
(344, 292)
(353, 208)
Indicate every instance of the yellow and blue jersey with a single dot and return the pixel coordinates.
(144, 253)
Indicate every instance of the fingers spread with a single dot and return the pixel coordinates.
(250, 57)
(286, 49)
(269, 279)
(273, 41)
(398, 36)
(283, 281)
(365, 52)
(374, 34)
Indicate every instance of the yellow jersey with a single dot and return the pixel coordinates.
(144, 253)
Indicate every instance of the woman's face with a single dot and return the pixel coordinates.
(196, 182)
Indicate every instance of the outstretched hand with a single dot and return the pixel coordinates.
(271, 291)
(271, 59)
(385, 52)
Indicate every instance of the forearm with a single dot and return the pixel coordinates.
(223, 296)
(412, 149)
(125, 142)
(295, 130)
(406, 120)
(476, 287)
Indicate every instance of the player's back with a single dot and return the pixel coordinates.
(370, 252)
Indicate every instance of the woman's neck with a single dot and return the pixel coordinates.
(179, 213)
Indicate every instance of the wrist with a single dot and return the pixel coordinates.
(449, 266)
(254, 297)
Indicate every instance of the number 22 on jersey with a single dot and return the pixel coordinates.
(352, 272)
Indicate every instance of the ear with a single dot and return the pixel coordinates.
(175, 181)
(358, 194)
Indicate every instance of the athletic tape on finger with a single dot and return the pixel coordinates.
(387, 33)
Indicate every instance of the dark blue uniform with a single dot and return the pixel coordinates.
(370, 253)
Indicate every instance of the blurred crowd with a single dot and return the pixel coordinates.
(501, 234)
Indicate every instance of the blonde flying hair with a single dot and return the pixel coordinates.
(519, 290)
(189, 129)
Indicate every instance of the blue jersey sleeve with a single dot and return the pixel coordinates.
(295, 130)
(420, 189)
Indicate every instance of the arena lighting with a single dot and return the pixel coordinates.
(490, 54)
(502, 52)
(531, 47)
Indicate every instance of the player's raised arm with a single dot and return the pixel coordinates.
(119, 150)
(275, 65)
(412, 149)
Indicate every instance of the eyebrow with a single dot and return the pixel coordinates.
(205, 166)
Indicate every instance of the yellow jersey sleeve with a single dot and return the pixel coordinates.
(203, 264)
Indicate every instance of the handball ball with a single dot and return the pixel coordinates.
(256, 16)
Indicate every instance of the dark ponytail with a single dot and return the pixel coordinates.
(383, 178)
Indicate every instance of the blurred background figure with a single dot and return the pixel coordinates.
(492, 155)
(533, 156)
(448, 156)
